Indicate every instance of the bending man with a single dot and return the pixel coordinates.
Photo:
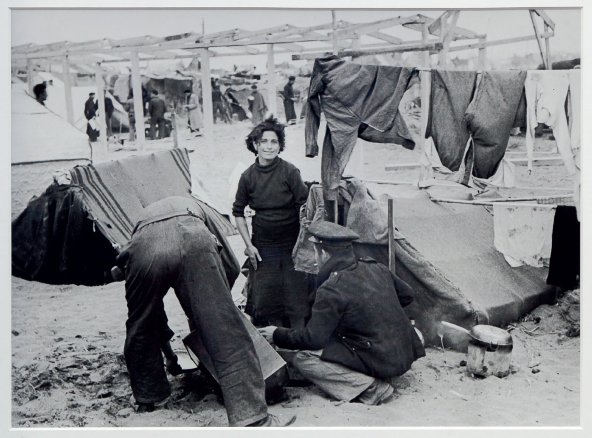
(171, 247)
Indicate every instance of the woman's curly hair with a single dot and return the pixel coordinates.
(269, 124)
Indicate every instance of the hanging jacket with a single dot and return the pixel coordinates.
(358, 101)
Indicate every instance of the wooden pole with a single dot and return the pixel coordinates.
(175, 133)
(538, 38)
(447, 33)
(67, 90)
(101, 100)
(425, 33)
(391, 234)
(425, 84)
(548, 48)
(206, 90)
(30, 73)
(443, 54)
(138, 102)
(334, 32)
(271, 92)
(482, 57)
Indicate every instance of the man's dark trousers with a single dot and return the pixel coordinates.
(181, 253)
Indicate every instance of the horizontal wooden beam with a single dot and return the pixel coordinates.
(377, 25)
(497, 42)
(435, 46)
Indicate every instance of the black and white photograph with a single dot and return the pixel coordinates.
(297, 217)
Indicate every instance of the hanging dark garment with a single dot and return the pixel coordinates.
(564, 265)
(451, 94)
(490, 118)
(358, 101)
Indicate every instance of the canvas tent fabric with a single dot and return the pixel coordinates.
(107, 199)
(43, 146)
(459, 264)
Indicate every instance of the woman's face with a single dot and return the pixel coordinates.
(268, 146)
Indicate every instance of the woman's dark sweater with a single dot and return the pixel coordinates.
(276, 193)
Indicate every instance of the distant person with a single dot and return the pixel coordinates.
(220, 110)
(194, 119)
(288, 96)
(90, 112)
(156, 109)
(257, 106)
(40, 91)
(131, 113)
(109, 110)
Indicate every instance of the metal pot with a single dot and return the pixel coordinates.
(489, 351)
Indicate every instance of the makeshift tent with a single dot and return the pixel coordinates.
(239, 102)
(72, 233)
(42, 146)
(56, 103)
(445, 253)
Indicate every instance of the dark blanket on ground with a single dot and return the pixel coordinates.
(54, 241)
(358, 101)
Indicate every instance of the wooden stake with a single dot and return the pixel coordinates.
(391, 234)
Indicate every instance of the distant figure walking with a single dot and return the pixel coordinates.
(194, 119)
(257, 106)
(40, 91)
(288, 96)
(156, 109)
(219, 106)
(90, 112)
(131, 113)
(109, 109)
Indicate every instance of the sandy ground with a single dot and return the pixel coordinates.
(67, 341)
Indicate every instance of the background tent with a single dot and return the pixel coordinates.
(43, 145)
(72, 233)
(448, 257)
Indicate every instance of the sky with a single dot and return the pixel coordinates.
(39, 26)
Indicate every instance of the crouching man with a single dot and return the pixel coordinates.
(358, 336)
(171, 247)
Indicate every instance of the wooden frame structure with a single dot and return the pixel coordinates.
(338, 37)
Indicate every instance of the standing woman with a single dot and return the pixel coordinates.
(274, 189)
(194, 119)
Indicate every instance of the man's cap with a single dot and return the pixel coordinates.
(254, 86)
(291, 78)
(331, 234)
(92, 93)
